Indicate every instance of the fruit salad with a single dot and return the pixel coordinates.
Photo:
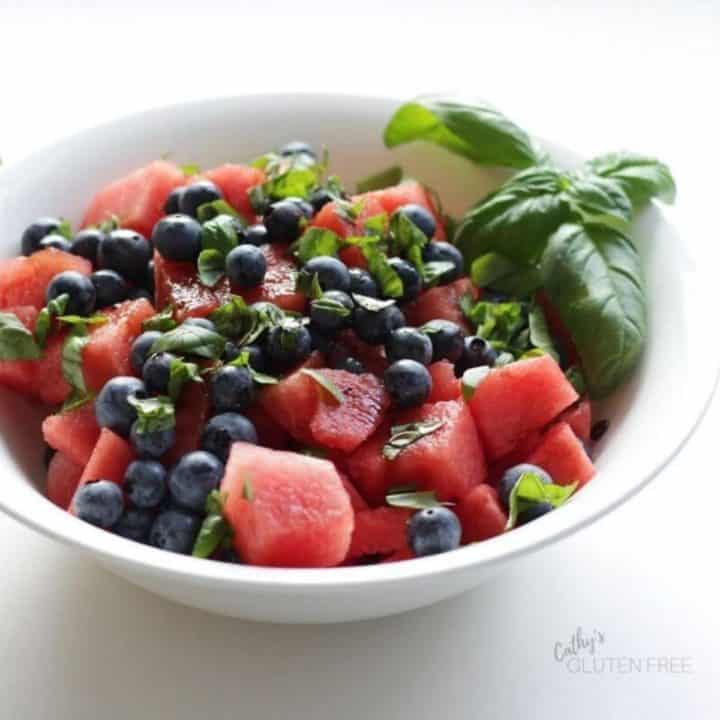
(254, 364)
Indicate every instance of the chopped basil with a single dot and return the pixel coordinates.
(377, 224)
(162, 322)
(331, 306)
(243, 360)
(294, 176)
(530, 490)
(190, 169)
(215, 530)
(191, 340)
(316, 241)
(110, 224)
(413, 500)
(309, 284)
(540, 336)
(53, 309)
(385, 178)
(408, 239)
(326, 383)
(471, 378)
(211, 267)
(181, 372)
(391, 284)
(248, 493)
(155, 414)
(402, 436)
(64, 229)
(371, 304)
(95, 319)
(72, 367)
(436, 270)
(234, 318)
(210, 210)
(16, 341)
(218, 238)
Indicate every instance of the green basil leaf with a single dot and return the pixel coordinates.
(191, 340)
(64, 229)
(211, 267)
(215, 503)
(95, 319)
(243, 360)
(499, 273)
(43, 324)
(414, 500)
(377, 224)
(110, 224)
(248, 492)
(316, 241)
(436, 270)
(529, 490)
(234, 318)
(391, 284)
(219, 234)
(265, 317)
(308, 284)
(326, 383)
(592, 275)
(181, 372)
(72, 367)
(471, 378)
(155, 414)
(332, 306)
(600, 200)
(540, 336)
(402, 436)
(576, 379)
(500, 323)
(371, 304)
(162, 322)
(474, 130)
(385, 178)
(16, 341)
(408, 239)
(641, 177)
(190, 169)
(213, 532)
(210, 210)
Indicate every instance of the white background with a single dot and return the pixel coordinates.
(76, 642)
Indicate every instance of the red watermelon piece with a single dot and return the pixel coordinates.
(518, 398)
(137, 199)
(516, 456)
(236, 181)
(270, 433)
(579, 418)
(442, 302)
(371, 356)
(450, 460)
(19, 375)
(481, 514)
(445, 386)
(24, 280)
(563, 456)
(406, 554)
(108, 352)
(299, 514)
(73, 434)
(353, 256)
(63, 477)
(369, 470)
(382, 531)
(191, 414)
(356, 499)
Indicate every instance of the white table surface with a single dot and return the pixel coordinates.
(75, 642)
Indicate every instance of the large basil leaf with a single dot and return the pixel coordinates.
(498, 273)
(600, 199)
(591, 273)
(641, 177)
(474, 130)
(16, 341)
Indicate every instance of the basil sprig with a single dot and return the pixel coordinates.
(219, 237)
(243, 361)
(191, 340)
(181, 372)
(155, 414)
(72, 368)
(530, 490)
(326, 384)
(403, 436)
(215, 531)
(162, 322)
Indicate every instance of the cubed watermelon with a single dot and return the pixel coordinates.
(516, 399)
(286, 509)
(442, 302)
(24, 280)
(563, 456)
(270, 433)
(19, 375)
(449, 460)
(517, 455)
(382, 531)
(481, 514)
(369, 470)
(107, 354)
(371, 356)
(236, 181)
(356, 499)
(74, 434)
(137, 199)
(445, 386)
(63, 477)
(191, 414)
(579, 418)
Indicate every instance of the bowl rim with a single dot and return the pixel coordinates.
(60, 525)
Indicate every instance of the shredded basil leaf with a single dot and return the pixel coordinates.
(191, 340)
(402, 436)
(326, 383)
(162, 322)
(530, 490)
(155, 414)
(16, 341)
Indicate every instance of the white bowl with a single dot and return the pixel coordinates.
(651, 418)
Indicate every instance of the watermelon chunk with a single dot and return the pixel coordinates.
(518, 398)
(481, 514)
(369, 470)
(563, 456)
(107, 354)
(63, 477)
(579, 418)
(371, 356)
(270, 433)
(191, 414)
(73, 434)
(442, 302)
(450, 460)
(299, 514)
(236, 181)
(356, 499)
(445, 386)
(24, 280)
(517, 455)
(382, 531)
(137, 199)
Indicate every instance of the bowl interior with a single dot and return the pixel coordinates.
(649, 419)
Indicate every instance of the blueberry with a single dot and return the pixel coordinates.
(284, 222)
(224, 430)
(140, 350)
(150, 277)
(408, 383)
(362, 283)
(156, 373)
(56, 242)
(332, 311)
(256, 356)
(476, 352)
(193, 478)
(434, 530)
(198, 194)
(320, 198)
(374, 326)
(494, 296)
(407, 343)
(286, 345)
(256, 235)
(110, 288)
(172, 203)
(153, 443)
(297, 147)
(232, 389)
(320, 340)
(421, 217)
(332, 273)
(99, 503)
(445, 252)
(178, 237)
(134, 524)
(78, 288)
(304, 205)
(446, 338)
(175, 531)
(201, 322)
(140, 294)
(411, 280)
(86, 243)
(112, 409)
(36, 231)
(533, 512)
(145, 483)
(126, 252)
(512, 475)
(246, 266)
(350, 364)
(232, 350)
